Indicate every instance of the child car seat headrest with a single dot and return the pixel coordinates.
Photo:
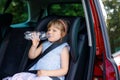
(74, 27)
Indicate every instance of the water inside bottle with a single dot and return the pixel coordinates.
(42, 35)
(28, 35)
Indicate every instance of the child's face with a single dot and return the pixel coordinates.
(54, 33)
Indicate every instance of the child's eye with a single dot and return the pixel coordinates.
(48, 30)
(54, 30)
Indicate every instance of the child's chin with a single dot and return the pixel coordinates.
(51, 40)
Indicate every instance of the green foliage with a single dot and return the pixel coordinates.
(67, 9)
(113, 21)
(2, 3)
(18, 9)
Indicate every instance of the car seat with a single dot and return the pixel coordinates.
(5, 22)
(77, 39)
(14, 59)
(12, 50)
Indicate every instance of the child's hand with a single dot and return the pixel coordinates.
(40, 73)
(35, 38)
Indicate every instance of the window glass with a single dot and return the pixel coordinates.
(18, 8)
(73, 9)
(2, 3)
(112, 8)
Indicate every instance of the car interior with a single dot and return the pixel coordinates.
(5, 22)
(14, 47)
(90, 53)
(14, 57)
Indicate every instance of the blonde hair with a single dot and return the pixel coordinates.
(62, 25)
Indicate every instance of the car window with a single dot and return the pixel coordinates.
(73, 9)
(2, 3)
(112, 10)
(18, 8)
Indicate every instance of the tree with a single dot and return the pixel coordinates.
(17, 9)
(113, 22)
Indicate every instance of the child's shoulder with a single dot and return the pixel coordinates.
(49, 43)
(65, 45)
(46, 43)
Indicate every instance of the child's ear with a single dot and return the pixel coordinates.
(63, 34)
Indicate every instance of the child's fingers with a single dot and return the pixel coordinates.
(35, 36)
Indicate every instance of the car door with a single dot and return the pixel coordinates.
(104, 66)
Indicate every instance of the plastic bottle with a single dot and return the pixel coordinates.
(42, 35)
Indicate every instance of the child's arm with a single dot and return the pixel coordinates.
(64, 66)
(35, 50)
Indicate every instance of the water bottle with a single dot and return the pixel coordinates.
(42, 35)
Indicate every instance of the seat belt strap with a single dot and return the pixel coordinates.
(53, 46)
